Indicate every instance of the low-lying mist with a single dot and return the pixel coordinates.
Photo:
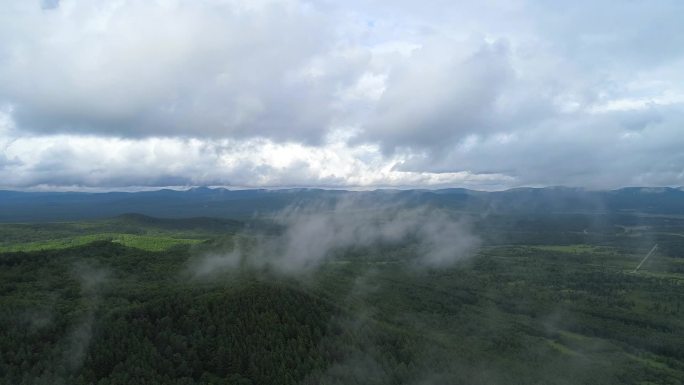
(91, 279)
(312, 234)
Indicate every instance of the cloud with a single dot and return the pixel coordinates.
(355, 94)
(49, 4)
(442, 92)
(318, 232)
(204, 68)
(96, 162)
(606, 150)
(617, 38)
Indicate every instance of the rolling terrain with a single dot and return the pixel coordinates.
(545, 298)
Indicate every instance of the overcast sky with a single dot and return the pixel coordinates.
(484, 94)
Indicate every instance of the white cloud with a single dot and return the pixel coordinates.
(91, 161)
(272, 93)
(205, 68)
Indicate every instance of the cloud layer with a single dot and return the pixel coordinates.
(487, 94)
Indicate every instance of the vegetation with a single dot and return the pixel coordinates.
(150, 243)
(119, 304)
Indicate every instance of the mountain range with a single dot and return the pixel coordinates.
(19, 206)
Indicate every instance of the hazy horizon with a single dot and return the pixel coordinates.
(134, 189)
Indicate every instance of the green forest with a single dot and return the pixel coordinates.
(542, 301)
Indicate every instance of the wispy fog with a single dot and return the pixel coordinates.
(91, 279)
(315, 233)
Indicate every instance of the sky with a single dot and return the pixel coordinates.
(484, 94)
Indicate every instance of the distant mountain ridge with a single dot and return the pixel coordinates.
(17, 206)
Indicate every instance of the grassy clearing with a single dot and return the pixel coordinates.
(575, 249)
(144, 242)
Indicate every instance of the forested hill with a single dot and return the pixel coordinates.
(18, 206)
